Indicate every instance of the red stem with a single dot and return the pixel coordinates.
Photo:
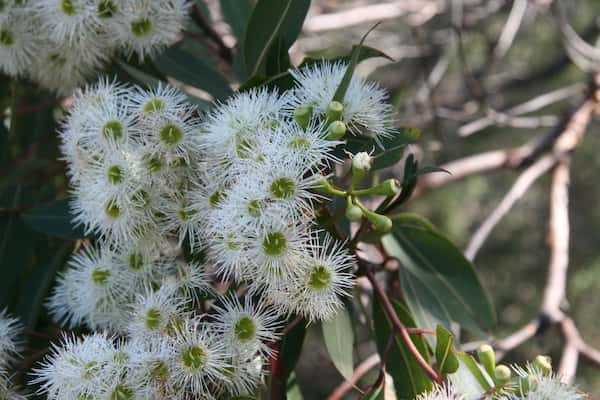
(402, 330)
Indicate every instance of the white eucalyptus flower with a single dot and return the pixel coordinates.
(324, 279)
(90, 291)
(19, 41)
(442, 392)
(149, 26)
(199, 360)
(155, 312)
(236, 124)
(10, 343)
(248, 328)
(544, 386)
(366, 110)
(77, 368)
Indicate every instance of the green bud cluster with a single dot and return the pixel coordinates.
(502, 376)
(336, 128)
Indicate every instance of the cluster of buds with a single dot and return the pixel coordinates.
(355, 209)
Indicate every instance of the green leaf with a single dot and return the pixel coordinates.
(439, 283)
(470, 377)
(237, 13)
(271, 19)
(4, 151)
(284, 80)
(354, 58)
(432, 169)
(139, 76)
(366, 52)
(34, 292)
(53, 219)
(375, 393)
(444, 353)
(409, 378)
(339, 340)
(293, 389)
(14, 243)
(291, 347)
(191, 70)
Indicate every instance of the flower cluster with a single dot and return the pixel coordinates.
(60, 43)
(534, 382)
(175, 200)
(9, 350)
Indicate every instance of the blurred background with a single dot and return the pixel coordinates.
(476, 76)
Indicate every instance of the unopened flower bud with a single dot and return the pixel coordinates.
(502, 374)
(302, 115)
(361, 162)
(543, 364)
(353, 212)
(389, 187)
(335, 110)
(337, 130)
(381, 222)
(487, 358)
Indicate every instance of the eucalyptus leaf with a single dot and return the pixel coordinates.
(439, 283)
(470, 377)
(270, 20)
(53, 219)
(339, 340)
(444, 351)
(191, 70)
(237, 13)
(354, 59)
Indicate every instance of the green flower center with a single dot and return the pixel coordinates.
(68, 7)
(141, 198)
(135, 261)
(112, 129)
(153, 319)
(89, 369)
(57, 59)
(122, 392)
(216, 198)
(160, 371)
(6, 38)
(243, 147)
(255, 208)
(141, 27)
(320, 278)
(107, 9)
(274, 244)
(154, 105)
(154, 164)
(283, 188)
(244, 329)
(120, 356)
(299, 143)
(115, 174)
(193, 358)
(100, 276)
(112, 210)
(171, 134)
(185, 215)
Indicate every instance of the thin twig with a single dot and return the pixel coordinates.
(402, 332)
(363, 368)
(520, 187)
